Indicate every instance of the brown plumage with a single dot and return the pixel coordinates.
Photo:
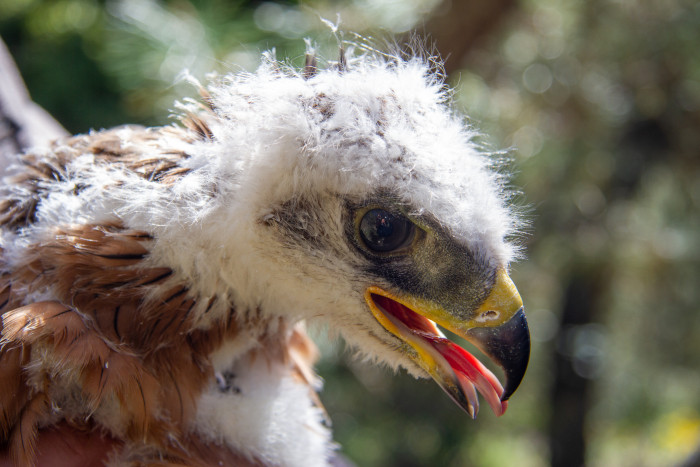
(132, 351)
(119, 326)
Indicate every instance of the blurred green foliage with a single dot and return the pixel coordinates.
(600, 101)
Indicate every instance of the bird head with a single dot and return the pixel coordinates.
(357, 196)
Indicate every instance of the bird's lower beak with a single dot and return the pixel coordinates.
(498, 328)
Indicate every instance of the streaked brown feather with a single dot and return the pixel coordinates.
(24, 433)
(105, 372)
(98, 270)
(13, 392)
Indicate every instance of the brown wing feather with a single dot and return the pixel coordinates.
(105, 372)
(74, 346)
(13, 393)
(121, 326)
(98, 270)
(24, 433)
(128, 333)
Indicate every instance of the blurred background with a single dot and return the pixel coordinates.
(598, 104)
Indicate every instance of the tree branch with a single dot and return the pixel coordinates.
(23, 124)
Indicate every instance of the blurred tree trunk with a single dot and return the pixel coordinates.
(457, 25)
(570, 389)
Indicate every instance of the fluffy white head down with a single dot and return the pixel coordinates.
(280, 140)
(378, 125)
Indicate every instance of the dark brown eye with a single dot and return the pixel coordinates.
(382, 231)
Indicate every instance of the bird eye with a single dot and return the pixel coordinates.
(382, 231)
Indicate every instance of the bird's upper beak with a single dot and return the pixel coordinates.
(497, 327)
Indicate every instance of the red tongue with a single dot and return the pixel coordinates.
(407, 316)
(465, 363)
(461, 361)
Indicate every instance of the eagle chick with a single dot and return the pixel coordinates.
(154, 282)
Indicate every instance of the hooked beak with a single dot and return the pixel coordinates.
(498, 328)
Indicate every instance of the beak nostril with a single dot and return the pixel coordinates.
(488, 315)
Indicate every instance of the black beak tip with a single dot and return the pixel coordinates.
(509, 346)
(515, 354)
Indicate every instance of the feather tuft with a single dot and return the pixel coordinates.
(310, 66)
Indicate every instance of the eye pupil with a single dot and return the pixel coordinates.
(383, 231)
(384, 226)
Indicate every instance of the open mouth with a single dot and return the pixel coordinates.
(458, 372)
